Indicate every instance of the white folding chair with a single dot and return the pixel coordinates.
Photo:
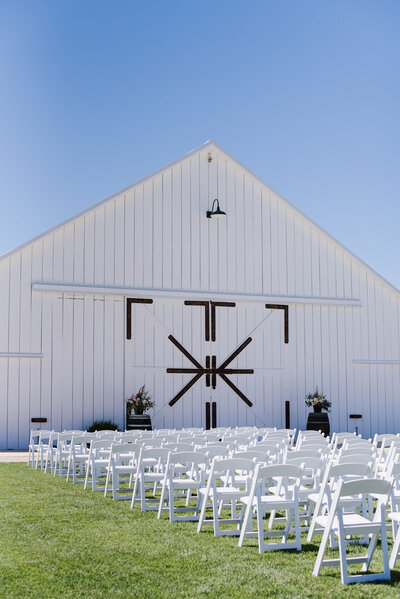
(50, 458)
(97, 463)
(262, 499)
(42, 449)
(78, 456)
(192, 479)
(62, 453)
(351, 524)
(228, 481)
(33, 447)
(122, 464)
(323, 500)
(150, 473)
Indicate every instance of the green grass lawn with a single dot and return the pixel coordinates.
(57, 540)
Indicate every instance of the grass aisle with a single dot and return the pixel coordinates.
(56, 540)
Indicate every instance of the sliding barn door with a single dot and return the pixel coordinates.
(207, 363)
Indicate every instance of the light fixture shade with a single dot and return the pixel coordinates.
(215, 212)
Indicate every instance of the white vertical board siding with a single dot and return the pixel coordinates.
(4, 344)
(156, 235)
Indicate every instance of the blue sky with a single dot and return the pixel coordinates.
(306, 93)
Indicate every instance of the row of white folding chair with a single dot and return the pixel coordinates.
(150, 473)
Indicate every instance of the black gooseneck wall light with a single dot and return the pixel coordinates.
(215, 212)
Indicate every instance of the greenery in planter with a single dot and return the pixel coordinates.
(318, 401)
(102, 425)
(139, 403)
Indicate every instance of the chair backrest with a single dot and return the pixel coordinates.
(106, 434)
(288, 478)
(364, 486)
(252, 454)
(280, 470)
(385, 438)
(171, 438)
(310, 463)
(302, 453)
(212, 451)
(177, 446)
(128, 449)
(212, 437)
(65, 439)
(353, 442)
(44, 435)
(97, 445)
(129, 437)
(192, 439)
(148, 442)
(353, 457)
(150, 456)
(187, 457)
(232, 466)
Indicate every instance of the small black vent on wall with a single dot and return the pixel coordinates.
(38, 419)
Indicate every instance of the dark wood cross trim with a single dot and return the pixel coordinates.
(206, 306)
(209, 311)
(286, 317)
(211, 370)
(129, 302)
(213, 306)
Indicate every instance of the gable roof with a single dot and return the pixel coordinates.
(208, 144)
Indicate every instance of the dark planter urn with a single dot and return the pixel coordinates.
(317, 409)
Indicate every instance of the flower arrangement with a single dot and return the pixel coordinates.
(139, 403)
(318, 401)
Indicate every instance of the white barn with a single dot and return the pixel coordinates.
(222, 319)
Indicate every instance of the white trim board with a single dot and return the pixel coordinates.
(377, 362)
(19, 355)
(177, 294)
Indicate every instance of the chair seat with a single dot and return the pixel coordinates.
(152, 477)
(124, 469)
(185, 483)
(352, 523)
(395, 516)
(274, 502)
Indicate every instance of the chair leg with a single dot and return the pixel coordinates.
(297, 527)
(247, 523)
(162, 499)
(89, 467)
(260, 528)
(342, 555)
(321, 551)
(202, 511)
(395, 550)
(215, 515)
